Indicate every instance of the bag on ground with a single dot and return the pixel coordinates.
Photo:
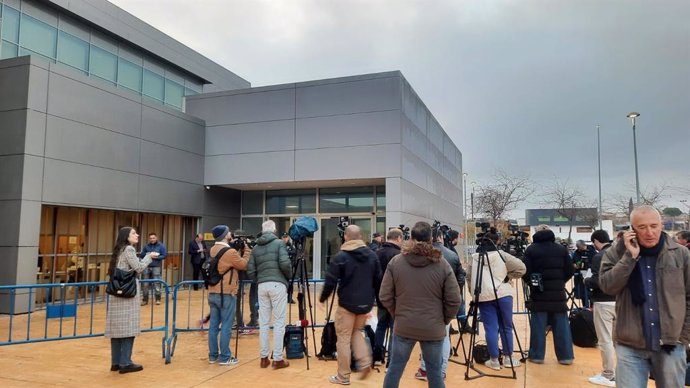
(582, 328)
(293, 341)
(328, 342)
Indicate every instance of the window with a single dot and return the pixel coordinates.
(73, 51)
(103, 64)
(173, 93)
(129, 75)
(10, 25)
(252, 202)
(252, 225)
(7, 50)
(38, 37)
(544, 218)
(346, 200)
(381, 199)
(154, 85)
(290, 201)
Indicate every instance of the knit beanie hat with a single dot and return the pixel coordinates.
(220, 231)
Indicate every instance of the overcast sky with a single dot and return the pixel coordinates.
(518, 85)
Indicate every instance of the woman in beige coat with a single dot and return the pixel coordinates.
(122, 316)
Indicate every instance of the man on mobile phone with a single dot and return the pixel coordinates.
(651, 281)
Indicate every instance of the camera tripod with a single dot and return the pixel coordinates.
(300, 274)
(483, 261)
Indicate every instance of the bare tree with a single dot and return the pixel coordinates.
(652, 196)
(568, 200)
(502, 195)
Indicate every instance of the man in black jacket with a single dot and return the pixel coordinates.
(548, 268)
(358, 270)
(197, 254)
(388, 250)
(604, 313)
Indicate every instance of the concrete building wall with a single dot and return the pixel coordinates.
(74, 141)
(362, 127)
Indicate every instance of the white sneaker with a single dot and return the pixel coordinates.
(493, 364)
(601, 380)
(507, 359)
(232, 361)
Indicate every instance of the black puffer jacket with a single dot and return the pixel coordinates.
(357, 269)
(552, 261)
(385, 254)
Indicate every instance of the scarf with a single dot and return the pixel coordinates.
(635, 284)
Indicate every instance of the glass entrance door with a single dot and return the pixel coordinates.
(331, 241)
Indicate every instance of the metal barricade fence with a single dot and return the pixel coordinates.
(71, 304)
(190, 307)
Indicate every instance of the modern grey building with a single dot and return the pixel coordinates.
(106, 122)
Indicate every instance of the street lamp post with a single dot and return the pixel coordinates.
(599, 164)
(472, 200)
(632, 116)
(464, 205)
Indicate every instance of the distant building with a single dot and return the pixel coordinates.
(584, 224)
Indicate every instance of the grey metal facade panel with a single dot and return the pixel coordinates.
(30, 227)
(244, 108)
(13, 127)
(166, 196)
(89, 104)
(10, 213)
(126, 26)
(32, 182)
(35, 132)
(250, 168)
(251, 137)
(68, 183)
(14, 81)
(172, 130)
(75, 142)
(349, 97)
(162, 161)
(349, 130)
(8, 259)
(360, 162)
(11, 171)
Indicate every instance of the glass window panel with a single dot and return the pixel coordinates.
(38, 36)
(129, 75)
(252, 202)
(252, 225)
(7, 50)
(380, 199)
(173, 93)
(154, 85)
(73, 51)
(290, 201)
(103, 64)
(10, 24)
(346, 200)
(189, 92)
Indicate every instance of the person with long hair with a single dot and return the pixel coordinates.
(122, 317)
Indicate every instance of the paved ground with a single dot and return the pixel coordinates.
(85, 362)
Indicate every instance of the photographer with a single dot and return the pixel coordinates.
(240, 244)
(549, 267)
(496, 296)
(582, 261)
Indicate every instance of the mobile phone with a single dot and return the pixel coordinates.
(633, 241)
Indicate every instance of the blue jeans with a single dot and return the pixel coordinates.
(151, 273)
(461, 316)
(221, 320)
(562, 337)
(446, 354)
(493, 325)
(632, 369)
(121, 351)
(581, 291)
(432, 351)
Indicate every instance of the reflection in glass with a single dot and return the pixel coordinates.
(291, 201)
(154, 85)
(73, 51)
(103, 64)
(346, 200)
(38, 37)
(129, 75)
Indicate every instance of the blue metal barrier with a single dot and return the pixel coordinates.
(183, 294)
(57, 314)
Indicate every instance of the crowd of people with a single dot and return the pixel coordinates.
(638, 287)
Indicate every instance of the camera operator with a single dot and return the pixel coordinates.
(496, 297)
(240, 244)
(389, 249)
(582, 261)
(549, 267)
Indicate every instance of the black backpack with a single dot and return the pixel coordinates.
(328, 336)
(293, 342)
(209, 269)
(582, 328)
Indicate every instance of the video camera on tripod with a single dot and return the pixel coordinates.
(405, 231)
(241, 241)
(343, 223)
(516, 243)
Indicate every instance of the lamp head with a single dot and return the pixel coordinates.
(633, 115)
